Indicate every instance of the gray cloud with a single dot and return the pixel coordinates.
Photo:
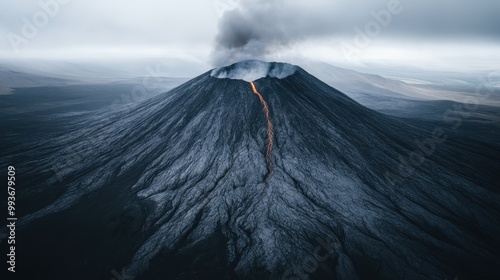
(95, 24)
(258, 28)
(255, 29)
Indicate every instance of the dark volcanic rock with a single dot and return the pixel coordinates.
(179, 181)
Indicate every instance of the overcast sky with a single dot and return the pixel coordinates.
(221, 31)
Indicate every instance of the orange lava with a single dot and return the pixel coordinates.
(270, 134)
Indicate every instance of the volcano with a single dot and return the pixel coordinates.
(185, 185)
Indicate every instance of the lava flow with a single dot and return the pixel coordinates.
(270, 134)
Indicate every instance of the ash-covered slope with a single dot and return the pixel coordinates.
(184, 180)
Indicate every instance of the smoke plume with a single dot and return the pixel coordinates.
(258, 28)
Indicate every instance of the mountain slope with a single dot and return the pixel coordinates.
(187, 169)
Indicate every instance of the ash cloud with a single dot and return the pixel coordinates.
(258, 28)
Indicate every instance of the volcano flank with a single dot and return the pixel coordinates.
(179, 187)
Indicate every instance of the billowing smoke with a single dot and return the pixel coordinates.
(257, 28)
(261, 29)
(252, 70)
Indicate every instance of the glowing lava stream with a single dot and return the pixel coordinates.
(270, 134)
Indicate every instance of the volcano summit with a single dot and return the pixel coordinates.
(178, 187)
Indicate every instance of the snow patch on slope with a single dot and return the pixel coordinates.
(251, 70)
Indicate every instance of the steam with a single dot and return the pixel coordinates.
(252, 70)
(258, 28)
